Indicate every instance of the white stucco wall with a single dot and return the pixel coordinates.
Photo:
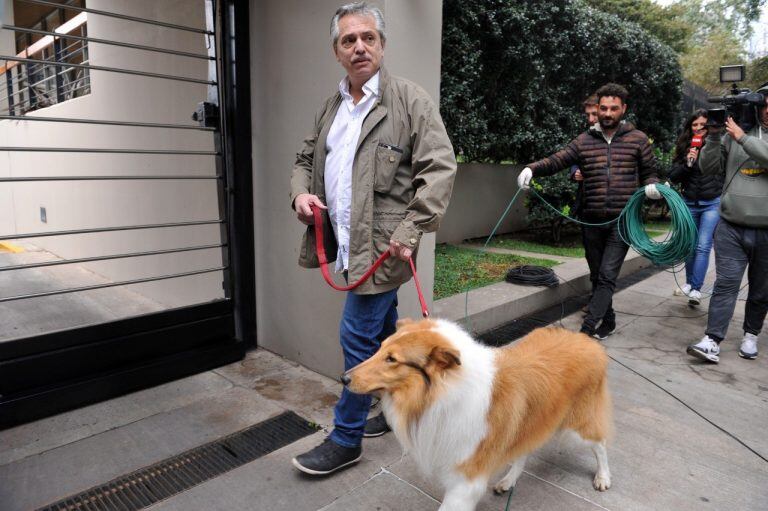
(293, 70)
(481, 194)
(85, 204)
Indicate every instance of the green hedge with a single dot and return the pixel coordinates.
(514, 75)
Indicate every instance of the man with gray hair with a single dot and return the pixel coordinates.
(380, 166)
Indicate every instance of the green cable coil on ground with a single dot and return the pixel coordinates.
(681, 238)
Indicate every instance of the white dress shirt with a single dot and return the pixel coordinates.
(340, 146)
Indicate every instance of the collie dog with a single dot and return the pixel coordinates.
(465, 411)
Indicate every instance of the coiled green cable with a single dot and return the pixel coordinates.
(680, 241)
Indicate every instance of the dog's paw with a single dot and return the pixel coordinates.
(601, 482)
(500, 488)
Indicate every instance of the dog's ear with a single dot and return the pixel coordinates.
(402, 322)
(445, 358)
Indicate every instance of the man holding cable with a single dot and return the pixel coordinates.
(741, 236)
(380, 166)
(614, 159)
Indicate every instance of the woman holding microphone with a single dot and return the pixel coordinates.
(702, 196)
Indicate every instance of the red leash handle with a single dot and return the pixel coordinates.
(323, 259)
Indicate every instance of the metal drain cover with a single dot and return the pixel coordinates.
(157, 482)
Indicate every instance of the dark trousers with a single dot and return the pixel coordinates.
(736, 248)
(605, 252)
(367, 320)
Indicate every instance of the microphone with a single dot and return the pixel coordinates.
(697, 141)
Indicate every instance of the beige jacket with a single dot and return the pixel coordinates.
(402, 179)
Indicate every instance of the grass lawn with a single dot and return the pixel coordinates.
(458, 269)
(655, 228)
(569, 246)
(531, 246)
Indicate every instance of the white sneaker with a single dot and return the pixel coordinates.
(748, 348)
(683, 291)
(694, 297)
(706, 349)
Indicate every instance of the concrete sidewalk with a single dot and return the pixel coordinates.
(27, 317)
(663, 457)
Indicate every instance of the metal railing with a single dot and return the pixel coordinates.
(51, 70)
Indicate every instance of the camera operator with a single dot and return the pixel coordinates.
(614, 158)
(741, 237)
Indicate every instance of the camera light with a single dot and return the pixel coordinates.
(731, 74)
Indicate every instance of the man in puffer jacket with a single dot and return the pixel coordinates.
(741, 237)
(615, 159)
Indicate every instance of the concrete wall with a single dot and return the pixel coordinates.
(75, 205)
(293, 70)
(481, 194)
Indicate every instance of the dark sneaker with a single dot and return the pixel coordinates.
(376, 426)
(587, 331)
(327, 458)
(605, 329)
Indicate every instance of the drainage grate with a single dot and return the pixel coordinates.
(152, 484)
(523, 326)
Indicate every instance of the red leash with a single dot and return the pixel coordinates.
(320, 246)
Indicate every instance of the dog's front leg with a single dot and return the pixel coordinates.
(463, 495)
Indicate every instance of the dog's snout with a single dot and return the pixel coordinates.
(345, 379)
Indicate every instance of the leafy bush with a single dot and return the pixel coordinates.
(560, 192)
(664, 159)
(514, 75)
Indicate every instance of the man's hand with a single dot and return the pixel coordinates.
(577, 175)
(303, 205)
(399, 250)
(734, 130)
(524, 179)
(651, 192)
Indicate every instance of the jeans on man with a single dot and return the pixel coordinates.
(605, 252)
(366, 321)
(736, 248)
(705, 216)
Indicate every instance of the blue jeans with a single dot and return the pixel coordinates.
(706, 216)
(367, 320)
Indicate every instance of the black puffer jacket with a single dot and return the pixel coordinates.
(612, 172)
(696, 186)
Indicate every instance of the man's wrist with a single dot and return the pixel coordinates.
(407, 234)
